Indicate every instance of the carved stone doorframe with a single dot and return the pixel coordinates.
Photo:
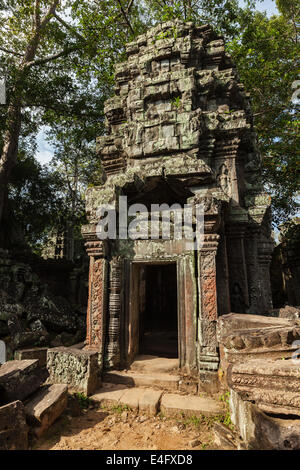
(186, 308)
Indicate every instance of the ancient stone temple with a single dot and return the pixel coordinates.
(179, 131)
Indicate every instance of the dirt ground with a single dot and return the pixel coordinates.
(120, 429)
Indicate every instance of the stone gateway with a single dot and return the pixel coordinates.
(179, 131)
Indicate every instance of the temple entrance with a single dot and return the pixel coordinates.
(158, 320)
(153, 322)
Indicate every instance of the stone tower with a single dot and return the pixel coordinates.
(179, 130)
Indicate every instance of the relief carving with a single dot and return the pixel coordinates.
(223, 178)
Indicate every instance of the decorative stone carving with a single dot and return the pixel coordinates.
(223, 178)
(179, 130)
(264, 382)
(208, 356)
(112, 358)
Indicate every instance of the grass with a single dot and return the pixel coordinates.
(226, 419)
(198, 421)
(84, 401)
(120, 408)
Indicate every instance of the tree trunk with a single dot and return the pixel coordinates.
(13, 123)
(10, 149)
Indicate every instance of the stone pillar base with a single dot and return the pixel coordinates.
(77, 368)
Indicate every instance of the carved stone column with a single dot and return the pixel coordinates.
(265, 249)
(112, 356)
(254, 285)
(208, 357)
(208, 354)
(97, 301)
(223, 293)
(239, 297)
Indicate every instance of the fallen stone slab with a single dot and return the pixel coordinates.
(260, 431)
(35, 353)
(13, 427)
(174, 405)
(45, 407)
(19, 379)
(78, 368)
(232, 322)
(273, 385)
(225, 438)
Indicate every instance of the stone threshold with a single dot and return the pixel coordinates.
(151, 401)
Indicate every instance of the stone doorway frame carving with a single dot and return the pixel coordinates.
(186, 307)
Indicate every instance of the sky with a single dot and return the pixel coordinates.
(45, 151)
(266, 5)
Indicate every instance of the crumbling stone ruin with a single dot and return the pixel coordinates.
(160, 312)
(30, 314)
(179, 130)
(27, 404)
(285, 266)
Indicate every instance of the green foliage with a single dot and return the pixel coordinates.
(83, 400)
(67, 94)
(170, 33)
(290, 233)
(176, 102)
(120, 408)
(34, 198)
(225, 418)
(267, 53)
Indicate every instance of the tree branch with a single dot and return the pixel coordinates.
(51, 57)
(37, 14)
(66, 25)
(48, 15)
(125, 15)
(129, 6)
(34, 41)
(9, 51)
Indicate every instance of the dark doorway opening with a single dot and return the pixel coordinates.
(158, 320)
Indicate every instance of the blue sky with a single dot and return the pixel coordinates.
(266, 5)
(45, 151)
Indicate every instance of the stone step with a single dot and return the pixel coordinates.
(152, 364)
(137, 379)
(188, 405)
(34, 353)
(19, 379)
(144, 400)
(13, 427)
(151, 401)
(46, 405)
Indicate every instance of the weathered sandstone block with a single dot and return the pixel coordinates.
(74, 367)
(273, 385)
(19, 379)
(243, 337)
(260, 431)
(35, 353)
(13, 427)
(45, 407)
